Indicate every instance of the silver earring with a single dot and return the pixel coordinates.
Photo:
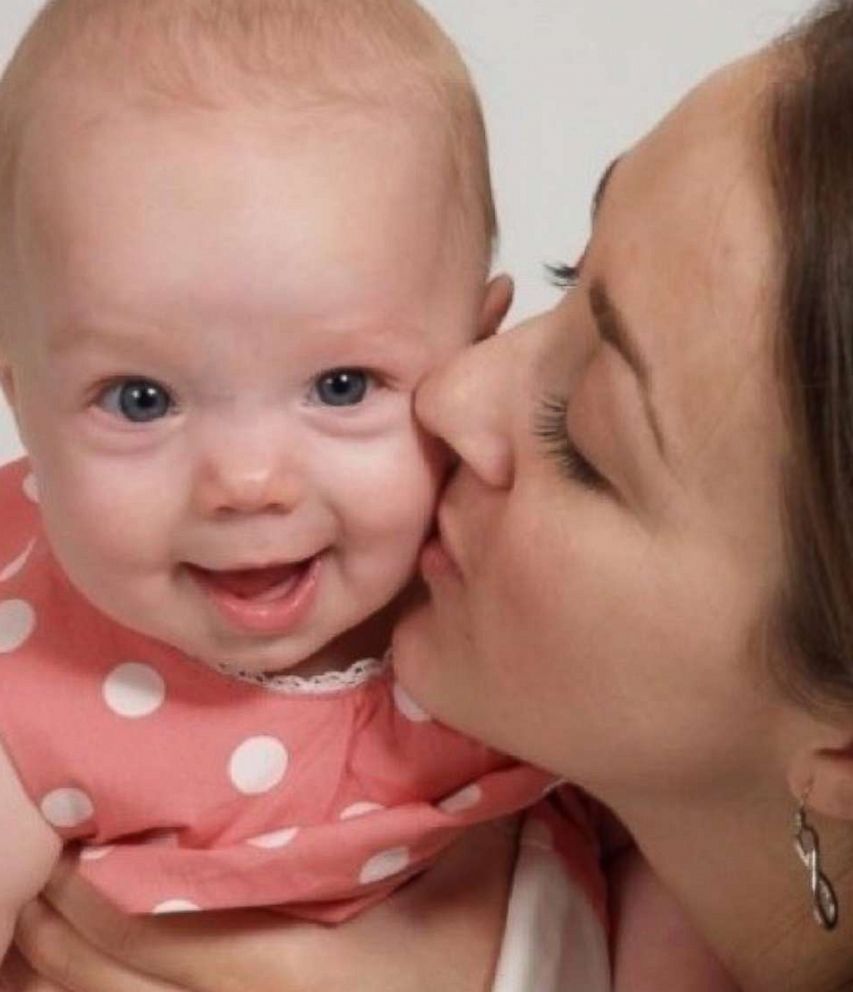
(806, 844)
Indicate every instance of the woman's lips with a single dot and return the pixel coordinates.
(436, 559)
(273, 599)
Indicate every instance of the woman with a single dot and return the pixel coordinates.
(645, 571)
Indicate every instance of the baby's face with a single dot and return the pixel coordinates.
(222, 319)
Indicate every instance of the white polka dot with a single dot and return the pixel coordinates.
(258, 765)
(12, 569)
(17, 622)
(384, 865)
(274, 839)
(133, 690)
(360, 809)
(67, 807)
(408, 707)
(31, 488)
(462, 800)
(95, 852)
(175, 906)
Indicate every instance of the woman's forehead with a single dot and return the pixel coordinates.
(684, 241)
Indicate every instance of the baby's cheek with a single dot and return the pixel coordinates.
(391, 494)
(111, 517)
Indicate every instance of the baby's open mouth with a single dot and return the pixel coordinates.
(268, 600)
(261, 585)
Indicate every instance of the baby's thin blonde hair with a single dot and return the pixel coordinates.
(205, 52)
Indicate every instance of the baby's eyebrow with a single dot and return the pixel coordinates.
(76, 334)
(72, 335)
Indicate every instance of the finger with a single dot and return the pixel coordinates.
(88, 912)
(136, 940)
(192, 951)
(57, 954)
(17, 976)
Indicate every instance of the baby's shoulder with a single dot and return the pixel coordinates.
(18, 507)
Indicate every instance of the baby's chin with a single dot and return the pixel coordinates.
(269, 657)
(306, 656)
(263, 667)
(325, 644)
(227, 652)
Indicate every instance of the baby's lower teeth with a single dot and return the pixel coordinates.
(261, 585)
(279, 590)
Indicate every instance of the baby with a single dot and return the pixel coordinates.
(235, 236)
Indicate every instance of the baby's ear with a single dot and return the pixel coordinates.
(497, 299)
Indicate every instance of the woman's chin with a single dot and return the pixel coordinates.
(414, 646)
(426, 665)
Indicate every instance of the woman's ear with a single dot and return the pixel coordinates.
(497, 300)
(823, 778)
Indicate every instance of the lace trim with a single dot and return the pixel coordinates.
(358, 673)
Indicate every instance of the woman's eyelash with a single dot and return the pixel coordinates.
(550, 428)
(562, 275)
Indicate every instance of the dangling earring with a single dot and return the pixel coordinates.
(824, 901)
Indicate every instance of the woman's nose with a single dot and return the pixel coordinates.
(468, 404)
(243, 476)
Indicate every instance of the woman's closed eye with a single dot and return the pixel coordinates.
(563, 275)
(550, 428)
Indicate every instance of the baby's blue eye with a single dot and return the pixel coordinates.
(137, 400)
(342, 387)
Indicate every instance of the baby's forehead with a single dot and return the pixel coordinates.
(122, 200)
(82, 125)
(86, 151)
(76, 114)
(379, 55)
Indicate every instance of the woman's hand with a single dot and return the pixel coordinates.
(70, 940)
(441, 931)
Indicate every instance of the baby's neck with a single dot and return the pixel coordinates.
(370, 639)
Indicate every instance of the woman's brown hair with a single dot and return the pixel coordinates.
(810, 157)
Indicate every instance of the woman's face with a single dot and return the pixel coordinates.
(614, 528)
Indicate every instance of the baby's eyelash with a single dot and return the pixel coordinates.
(550, 428)
(562, 275)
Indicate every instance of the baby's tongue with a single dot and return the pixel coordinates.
(254, 582)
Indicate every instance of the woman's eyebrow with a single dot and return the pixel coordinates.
(601, 186)
(614, 331)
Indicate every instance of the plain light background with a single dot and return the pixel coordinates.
(566, 85)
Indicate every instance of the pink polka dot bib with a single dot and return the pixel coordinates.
(186, 789)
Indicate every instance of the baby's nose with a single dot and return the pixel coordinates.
(242, 478)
